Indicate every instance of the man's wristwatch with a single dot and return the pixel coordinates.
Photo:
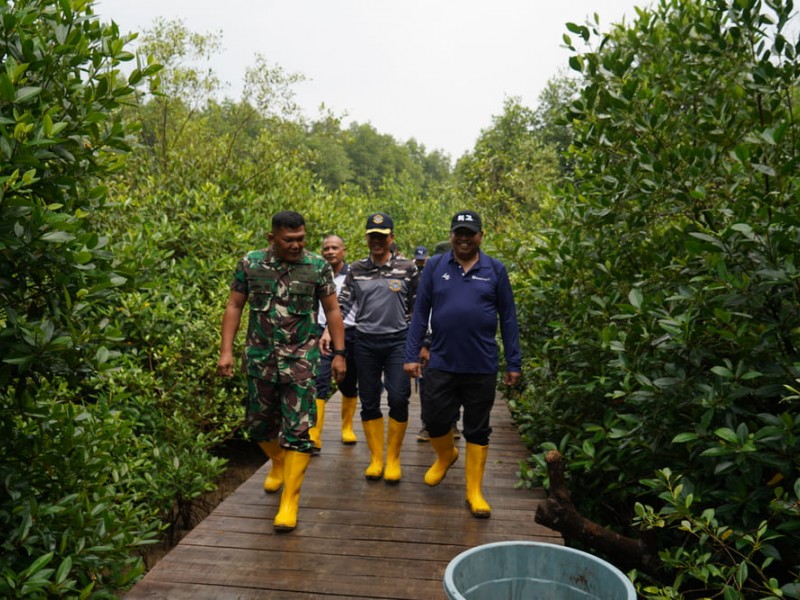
(341, 352)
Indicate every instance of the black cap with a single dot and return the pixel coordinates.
(467, 219)
(380, 223)
(420, 252)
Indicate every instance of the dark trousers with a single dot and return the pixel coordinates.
(446, 392)
(421, 381)
(380, 363)
(348, 387)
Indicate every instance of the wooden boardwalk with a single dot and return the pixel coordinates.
(354, 538)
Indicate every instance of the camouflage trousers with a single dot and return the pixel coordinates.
(284, 410)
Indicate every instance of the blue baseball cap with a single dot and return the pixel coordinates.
(380, 223)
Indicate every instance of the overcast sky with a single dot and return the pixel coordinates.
(433, 70)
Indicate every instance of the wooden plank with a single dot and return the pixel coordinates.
(156, 590)
(355, 538)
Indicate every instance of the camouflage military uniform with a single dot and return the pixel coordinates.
(281, 355)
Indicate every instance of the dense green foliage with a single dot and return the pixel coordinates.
(511, 167)
(67, 517)
(661, 303)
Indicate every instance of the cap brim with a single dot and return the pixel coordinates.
(383, 231)
(471, 227)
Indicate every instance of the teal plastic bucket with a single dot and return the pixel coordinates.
(533, 570)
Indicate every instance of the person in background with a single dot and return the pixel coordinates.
(334, 251)
(420, 257)
(382, 287)
(282, 284)
(464, 293)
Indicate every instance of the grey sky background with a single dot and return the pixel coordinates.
(432, 70)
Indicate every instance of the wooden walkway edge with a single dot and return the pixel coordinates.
(355, 538)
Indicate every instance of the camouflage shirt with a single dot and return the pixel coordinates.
(283, 298)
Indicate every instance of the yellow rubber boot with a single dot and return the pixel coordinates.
(274, 479)
(348, 411)
(446, 455)
(315, 433)
(373, 431)
(294, 470)
(397, 432)
(476, 464)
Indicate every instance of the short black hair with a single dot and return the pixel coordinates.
(287, 219)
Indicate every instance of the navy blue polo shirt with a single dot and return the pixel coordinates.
(465, 310)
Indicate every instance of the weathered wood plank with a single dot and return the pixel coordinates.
(155, 590)
(355, 538)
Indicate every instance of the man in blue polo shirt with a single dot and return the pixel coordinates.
(464, 293)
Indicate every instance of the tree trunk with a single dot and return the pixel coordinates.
(559, 513)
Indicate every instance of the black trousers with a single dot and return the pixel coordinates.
(445, 392)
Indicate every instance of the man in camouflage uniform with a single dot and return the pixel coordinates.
(283, 284)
